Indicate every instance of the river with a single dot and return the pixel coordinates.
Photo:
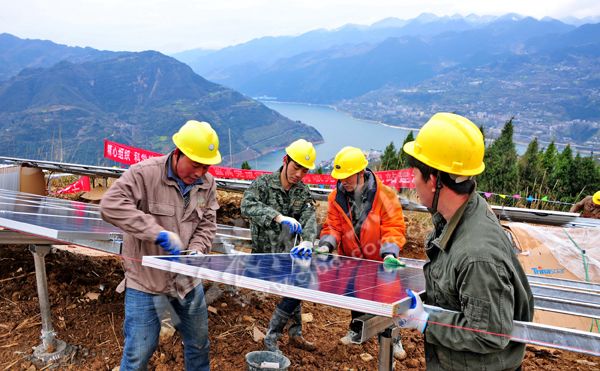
(338, 130)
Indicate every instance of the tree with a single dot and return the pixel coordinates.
(549, 158)
(482, 130)
(564, 174)
(389, 159)
(246, 165)
(403, 157)
(530, 168)
(587, 176)
(500, 158)
(547, 162)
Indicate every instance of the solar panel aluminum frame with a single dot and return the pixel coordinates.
(66, 236)
(15, 205)
(336, 300)
(99, 241)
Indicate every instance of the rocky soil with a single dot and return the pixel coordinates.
(87, 313)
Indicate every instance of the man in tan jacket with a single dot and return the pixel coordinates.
(165, 205)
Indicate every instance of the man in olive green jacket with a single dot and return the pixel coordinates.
(472, 270)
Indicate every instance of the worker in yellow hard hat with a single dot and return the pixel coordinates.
(283, 218)
(364, 220)
(166, 205)
(472, 270)
(589, 207)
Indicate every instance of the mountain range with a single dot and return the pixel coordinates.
(543, 72)
(64, 111)
(327, 66)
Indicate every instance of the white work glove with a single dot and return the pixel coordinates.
(322, 247)
(170, 242)
(293, 224)
(415, 317)
(195, 253)
(304, 249)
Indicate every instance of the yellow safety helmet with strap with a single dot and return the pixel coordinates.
(347, 162)
(198, 141)
(596, 198)
(449, 143)
(302, 152)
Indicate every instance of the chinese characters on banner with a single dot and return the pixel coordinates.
(130, 155)
(81, 185)
(397, 178)
(233, 173)
(126, 154)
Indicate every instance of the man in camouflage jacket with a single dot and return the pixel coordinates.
(282, 213)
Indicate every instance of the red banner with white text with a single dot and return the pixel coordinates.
(124, 154)
(81, 185)
(397, 178)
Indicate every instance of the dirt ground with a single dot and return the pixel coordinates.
(87, 313)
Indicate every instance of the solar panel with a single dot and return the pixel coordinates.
(73, 222)
(356, 284)
(58, 220)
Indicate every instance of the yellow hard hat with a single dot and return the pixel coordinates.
(198, 141)
(596, 198)
(348, 161)
(449, 143)
(303, 152)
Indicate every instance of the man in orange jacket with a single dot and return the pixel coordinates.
(364, 218)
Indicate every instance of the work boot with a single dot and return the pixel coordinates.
(276, 325)
(347, 339)
(295, 331)
(399, 352)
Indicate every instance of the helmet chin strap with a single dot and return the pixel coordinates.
(287, 162)
(436, 195)
(177, 155)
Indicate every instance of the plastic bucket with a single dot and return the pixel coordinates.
(267, 361)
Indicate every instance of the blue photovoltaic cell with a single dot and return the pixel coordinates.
(56, 219)
(329, 279)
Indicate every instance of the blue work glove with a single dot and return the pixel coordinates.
(170, 242)
(293, 224)
(304, 249)
(415, 317)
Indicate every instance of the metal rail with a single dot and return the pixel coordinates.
(561, 282)
(547, 217)
(367, 326)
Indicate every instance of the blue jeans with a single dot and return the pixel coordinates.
(142, 327)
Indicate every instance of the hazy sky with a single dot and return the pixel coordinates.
(176, 25)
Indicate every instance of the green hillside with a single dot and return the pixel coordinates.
(139, 99)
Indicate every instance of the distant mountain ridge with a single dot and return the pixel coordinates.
(139, 99)
(263, 52)
(17, 54)
(234, 66)
(551, 86)
(544, 72)
(350, 70)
